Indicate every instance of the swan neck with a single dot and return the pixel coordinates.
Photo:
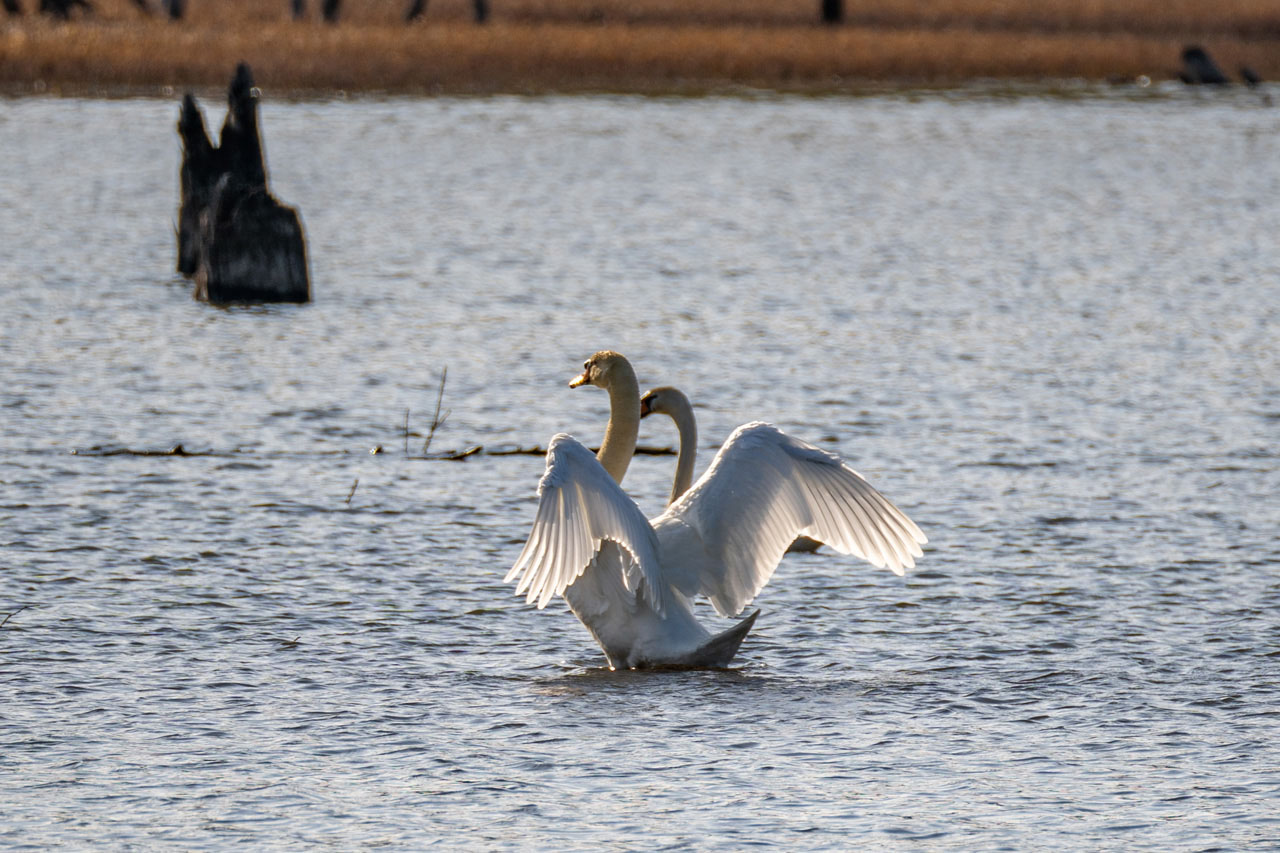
(620, 435)
(688, 429)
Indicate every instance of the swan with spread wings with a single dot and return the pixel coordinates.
(632, 581)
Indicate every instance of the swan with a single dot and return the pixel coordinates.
(631, 581)
(673, 403)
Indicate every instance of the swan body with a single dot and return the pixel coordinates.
(631, 580)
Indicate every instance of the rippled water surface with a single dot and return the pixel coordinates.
(1046, 328)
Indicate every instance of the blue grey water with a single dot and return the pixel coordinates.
(1045, 326)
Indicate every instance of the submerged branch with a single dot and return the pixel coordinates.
(9, 616)
(176, 450)
(641, 450)
(445, 455)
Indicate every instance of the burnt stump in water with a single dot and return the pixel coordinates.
(234, 238)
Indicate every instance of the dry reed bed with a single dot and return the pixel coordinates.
(1241, 18)
(645, 45)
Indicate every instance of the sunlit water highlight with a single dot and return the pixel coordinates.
(1046, 328)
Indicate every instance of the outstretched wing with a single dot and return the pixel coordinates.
(579, 508)
(726, 535)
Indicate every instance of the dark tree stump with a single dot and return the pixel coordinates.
(12, 7)
(256, 250)
(832, 11)
(200, 161)
(1198, 68)
(234, 238)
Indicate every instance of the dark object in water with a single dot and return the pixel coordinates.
(1198, 68)
(234, 238)
(1250, 76)
(832, 11)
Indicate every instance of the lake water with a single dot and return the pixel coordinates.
(1045, 326)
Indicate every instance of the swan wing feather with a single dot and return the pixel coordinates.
(726, 535)
(579, 508)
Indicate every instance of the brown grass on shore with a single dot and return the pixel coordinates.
(644, 45)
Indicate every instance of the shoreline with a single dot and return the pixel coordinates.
(457, 58)
(1066, 89)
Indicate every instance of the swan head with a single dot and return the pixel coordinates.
(601, 368)
(663, 401)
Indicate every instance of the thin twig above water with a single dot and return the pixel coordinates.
(436, 420)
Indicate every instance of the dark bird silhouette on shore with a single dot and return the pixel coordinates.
(1199, 69)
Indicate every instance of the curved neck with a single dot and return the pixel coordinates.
(619, 443)
(688, 429)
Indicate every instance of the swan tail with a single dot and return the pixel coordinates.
(720, 649)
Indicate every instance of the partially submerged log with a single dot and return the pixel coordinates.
(234, 238)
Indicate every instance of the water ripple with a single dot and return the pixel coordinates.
(227, 622)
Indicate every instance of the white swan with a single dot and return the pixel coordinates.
(673, 403)
(631, 580)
